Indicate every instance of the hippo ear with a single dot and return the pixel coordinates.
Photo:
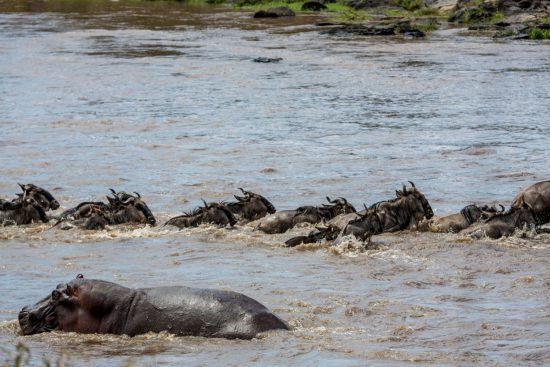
(56, 295)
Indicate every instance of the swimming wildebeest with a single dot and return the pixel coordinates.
(404, 212)
(97, 306)
(250, 207)
(122, 208)
(284, 220)
(362, 225)
(22, 211)
(38, 194)
(537, 197)
(504, 224)
(455, 223)
(214, 213)
(41, 196)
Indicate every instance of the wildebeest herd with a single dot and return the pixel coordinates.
(408, 210)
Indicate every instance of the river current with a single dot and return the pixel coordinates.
(165, 99)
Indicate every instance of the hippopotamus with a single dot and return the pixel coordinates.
(98, 306)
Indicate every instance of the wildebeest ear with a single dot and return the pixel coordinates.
(398, 193)
(524, 204)
(79, 276)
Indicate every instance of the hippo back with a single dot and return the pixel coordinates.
(202, 312)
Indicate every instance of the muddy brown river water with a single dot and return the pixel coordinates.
(164, 99)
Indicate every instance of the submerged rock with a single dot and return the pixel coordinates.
(267, 59)
(404, 27)
(313, 6)
(514, 6)
(467, 11)
(366, 4)
(281, 11)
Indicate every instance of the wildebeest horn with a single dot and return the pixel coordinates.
(412, 184)
(343, 200)
(404, 190)
(205, 204)
(247, 193)
(502, 208)
(239, 198)
(127, 201)
(137, 194)
(330, 201)
(79, 276)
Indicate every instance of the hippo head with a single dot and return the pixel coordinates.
(45, 315)
(41, 196)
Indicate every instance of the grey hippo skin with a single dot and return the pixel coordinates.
(97, 306)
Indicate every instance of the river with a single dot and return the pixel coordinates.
(164, 99)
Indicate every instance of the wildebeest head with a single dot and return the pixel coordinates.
(127, 200)
(251, 196)
(427, 209)
(471, 213)
(336, 207)
(22, 211)
(487, 212)
(41, 196)
(45, 315)
(216, 213)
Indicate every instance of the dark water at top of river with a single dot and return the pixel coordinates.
(164, 99)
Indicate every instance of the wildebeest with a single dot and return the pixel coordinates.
(455, 223)
(504, 224)
(214, 213)
(250, 207)
(122, 208)
(41, 196)
(537, 197)
(405, 211)
(22, 211)
(282, 221)
(362, 225)
(28, 207)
